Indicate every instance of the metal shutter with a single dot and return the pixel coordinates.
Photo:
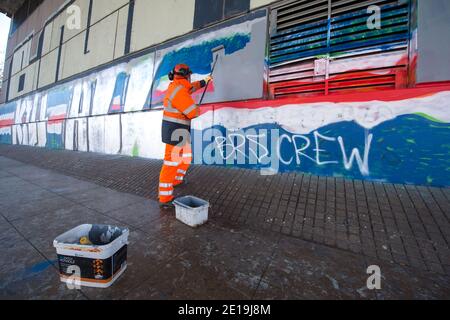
(325, 47)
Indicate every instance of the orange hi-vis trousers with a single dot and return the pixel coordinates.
(177, 161)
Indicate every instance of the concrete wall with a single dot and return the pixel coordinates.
(109, 29)
(259, 3)
(114, 106)
(170, 17)
(26, 39)
(103, 111)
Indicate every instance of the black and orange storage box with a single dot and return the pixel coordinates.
(98, 264)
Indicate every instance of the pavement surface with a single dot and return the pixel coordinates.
(288, 236)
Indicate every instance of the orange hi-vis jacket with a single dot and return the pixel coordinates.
(179, 108)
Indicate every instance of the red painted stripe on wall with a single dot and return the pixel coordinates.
(387, 95)
(6, 123)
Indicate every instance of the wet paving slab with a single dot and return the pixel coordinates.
(239, 251)
(12, 183)
(111, 202)
(54, 223)
(303, 270)
(145, 259)
(44, 285)
(402, 282)
(139, 214)
(5, 174)
(224, 259)
(191, 276)
(26, 274)
(15, 191)
(27, 210)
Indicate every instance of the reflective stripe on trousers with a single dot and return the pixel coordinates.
(177, 161)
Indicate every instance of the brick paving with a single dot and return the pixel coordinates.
(401, 224)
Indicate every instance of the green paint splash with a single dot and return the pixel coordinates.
(135, 151)
(428, 117)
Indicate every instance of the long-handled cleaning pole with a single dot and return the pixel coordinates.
(212, 71)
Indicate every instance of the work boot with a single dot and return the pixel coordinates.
(166, 205)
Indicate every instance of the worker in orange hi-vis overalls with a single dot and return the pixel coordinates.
(179, 110)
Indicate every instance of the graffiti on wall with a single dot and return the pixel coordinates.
(7, 112)
(58, 102)
(404, 141)
(403, 138)
(242, 60)
(119, 94)
(101, 112)
(342, 54)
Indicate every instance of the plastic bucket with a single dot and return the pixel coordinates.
(98, 264)
(191, 210)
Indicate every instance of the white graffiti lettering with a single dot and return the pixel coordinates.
(243, 148)
(318, 136)
(363, 164)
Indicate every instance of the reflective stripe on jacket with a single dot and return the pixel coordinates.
(179, 108)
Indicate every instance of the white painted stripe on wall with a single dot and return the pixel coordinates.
(308, 117)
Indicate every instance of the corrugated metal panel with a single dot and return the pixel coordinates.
(313, 36)
(302, 12)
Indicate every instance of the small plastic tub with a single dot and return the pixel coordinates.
(98, 264)
(191, 210)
